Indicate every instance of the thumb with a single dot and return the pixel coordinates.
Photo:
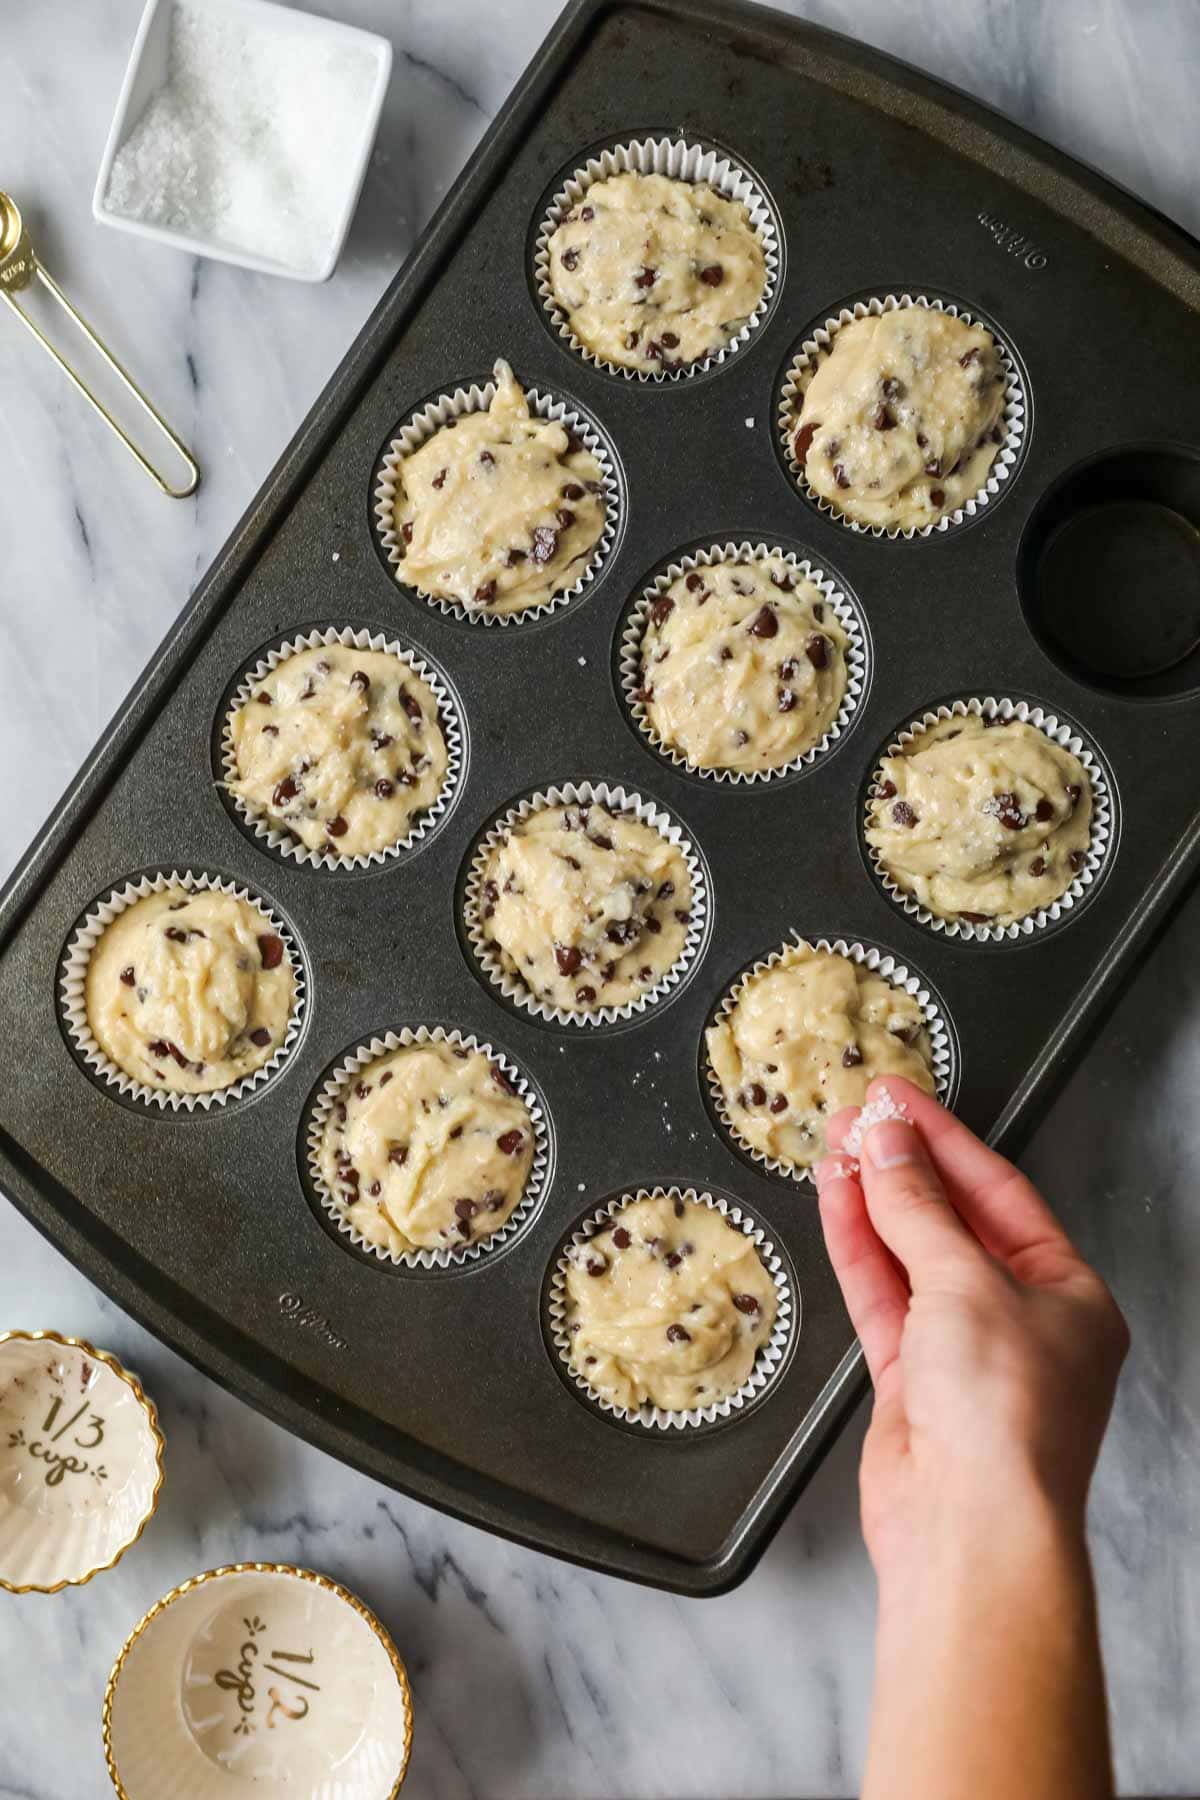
(908, 1207)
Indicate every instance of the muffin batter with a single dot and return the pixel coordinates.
(668, 1306)
(743, 665)
(983, 821)
(429, 1149)
(901, 422)
(587, 908)
(654, 273)
(498, 510)
(341, 748)
(189, 990)
(804, 1038)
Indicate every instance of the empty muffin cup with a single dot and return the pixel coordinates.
(1093, 860)
(771, 1355)
(678, 159)
(834, 595)
(816, 346)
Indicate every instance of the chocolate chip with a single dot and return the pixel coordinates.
(587, 212)
(677, 1334)
(673, 1258)
(968, 357)
(694, 581)
(933, 468)
(501, 1079)
(385, 1078)
(398, 1154)
(384, 789)
(338, 827)
(1038, 866)
(665, 891)
(802, 442)
(128, 976)
(573, 491)
(1006, 808)
(621, 1238)
(886, 789)
(903, 813)
(670, 341)
(570, 259)
(157, 1047)
(779, 1104)
(596, 1264)
(514, 557)
(789, 669)
(1044, 810)
(260, 1036)
(884, 419)
(974, 918)
(286, 790)
(1076, 859)
(712, 275)
(465, 1209)
(601, 840)
(485, 593)
(937, 497)
(840, 475)
(892, 388)
(381, 739)
(439, 479)
(817, 651)
(406, 532)
(678, 1208)
(360, 679)
(787, 700)
(492, 1201)
(270, 731)
(486, 458)
(653, 925)
(851, 1056)
(646, 279)
(632, 339)
(764, 624)
(908, 1034)
(662, 609)
(270, 948)
(585, 995)
(1074, 792)
(784, 583)
(510, 1142)
(565, 517)
(745, 1303)
(545, 543)
(362, 1089)
(756, 1094)
(568, 958)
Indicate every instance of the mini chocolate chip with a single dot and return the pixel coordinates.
(779, 1104)
(260, 1036)
(678, 1208)
(384, 789)
(465, 1209)
(587, 212)
(621, 1238)
(486, 458)
(745, 1303)
(903, 813)
(886, 789)
(764, 624)
(1038, 866)
(1044, 810)
(695, 581)
(601, 841)
(673, 1258)
(884, 419)
(406, 532)
(485, 593)
(677, 1334)
(360, 679)
(974, 918)
(128, 976)
(817, 651)
(573, 491)
(157, 1047)
(784, 583)
(670, 340)
(568, 958)
(286, 790)
(1006, 808)
(632, 339)
(787, 700)
(270, 948)
(937, 497)
(662, 609)
(646, 279)
(570, 259)
(398, 1154)
(381, 739)
(565, 517)
(338, 827)
(892, 388)
(585, 995)
(596, 1264)
(712, 275)
(1076, 859)
(362, 1089)
(514, 557)
(510, 1142)
(1074, 792)
(851, 1056)
(385, 1078)
(270, 731)
(968, 357)
(840, 475)
(756, 1094)
(439, 479)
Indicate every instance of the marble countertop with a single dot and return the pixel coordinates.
(532, 1678)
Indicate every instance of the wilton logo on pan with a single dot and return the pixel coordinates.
(1013, 242)
(292, 1307)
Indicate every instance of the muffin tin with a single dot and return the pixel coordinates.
(443, 1382)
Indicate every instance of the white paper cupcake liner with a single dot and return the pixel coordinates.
(817, 345)
(616, 799)
(845, 610)
(477, 398)
(767, 1363)
(333, 1089)
(942, 1037)
(1103, 824)
(279, 839)
(681, 160)
(72, 989)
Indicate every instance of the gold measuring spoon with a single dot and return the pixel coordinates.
(19, 268)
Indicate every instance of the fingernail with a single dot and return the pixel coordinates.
(835, 1168)
(893, 1143)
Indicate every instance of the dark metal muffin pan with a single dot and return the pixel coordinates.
(443, 1386)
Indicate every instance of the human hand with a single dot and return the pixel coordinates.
(993, 1347)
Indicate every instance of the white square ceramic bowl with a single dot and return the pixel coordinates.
(147, 72)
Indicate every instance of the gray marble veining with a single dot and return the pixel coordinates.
(533, 1679)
